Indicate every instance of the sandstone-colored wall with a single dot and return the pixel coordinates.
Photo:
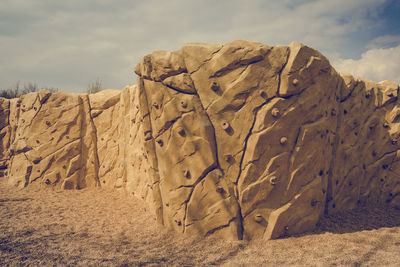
(240, 140)
(51, 141)
(366, 167)
(74, 141)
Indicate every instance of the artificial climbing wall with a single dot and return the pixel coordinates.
(240, 140)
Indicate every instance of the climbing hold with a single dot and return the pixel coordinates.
(183, 104)
(258, 218)
(228, 158)
(263, 94)
(314, 202)
(283, 140)
(155, 105)
(214, 86)
(385, 124)
(220, 189)
(160, 142)
(48, 123)
(186, 173)
(181, 131)
(273, 180)
(275, 112)
(225, 125)
(295, 82)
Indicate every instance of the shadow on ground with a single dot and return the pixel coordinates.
(359, 220)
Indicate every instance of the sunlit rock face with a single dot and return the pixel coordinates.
(241, 140)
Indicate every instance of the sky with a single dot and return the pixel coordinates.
(70, 44)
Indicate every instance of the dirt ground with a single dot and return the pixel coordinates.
(107, 228)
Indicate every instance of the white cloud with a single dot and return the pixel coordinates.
(384, 41)
(376, 64)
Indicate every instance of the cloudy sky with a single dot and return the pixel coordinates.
(69, 44)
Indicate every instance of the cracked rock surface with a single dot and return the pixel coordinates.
(239, 141)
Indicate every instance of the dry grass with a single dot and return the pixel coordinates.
(108, 228)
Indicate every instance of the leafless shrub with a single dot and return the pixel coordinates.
(17, 90)
(94, 87)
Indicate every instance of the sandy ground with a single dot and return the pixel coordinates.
(108, 228)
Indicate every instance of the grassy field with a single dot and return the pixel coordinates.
(97, 227)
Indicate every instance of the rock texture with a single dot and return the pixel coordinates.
(240, 140)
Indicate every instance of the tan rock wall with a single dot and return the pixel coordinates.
(366, 165)
(74, 141)
(240, 140)
(50, 141)
(280, 138)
